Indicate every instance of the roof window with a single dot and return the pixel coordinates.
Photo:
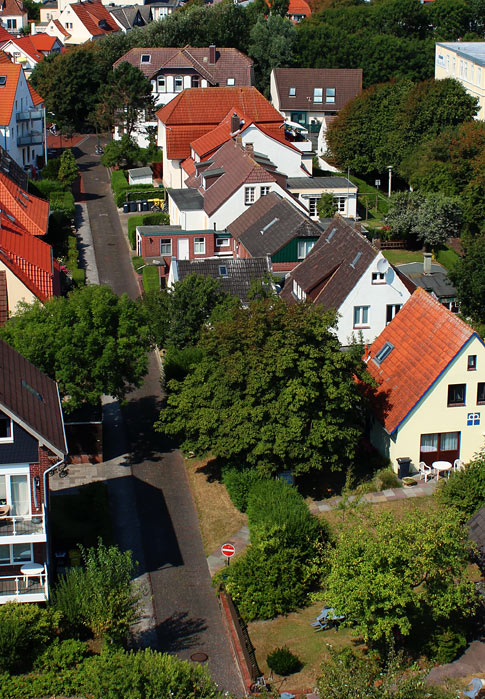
(356, 259)
(3, 80)
(32, 390)
(383, 353)
(318, 94)
(145, 58)
(331, 234)
(292, 92)
(223, 271)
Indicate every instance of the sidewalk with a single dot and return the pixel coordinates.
(216, 561)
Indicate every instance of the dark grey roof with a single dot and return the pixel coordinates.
(158, 230)
(319, 182)
(187, 199)
(140, 172)
(239, 273)
(131, 16)
(269, 224)
(31, 399)
(332, 268)
(9, 167)
(473, 50)
(436, 283)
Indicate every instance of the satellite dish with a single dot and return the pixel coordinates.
(382, 265)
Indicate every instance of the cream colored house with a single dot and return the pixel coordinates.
(464, 61)
(430, 367)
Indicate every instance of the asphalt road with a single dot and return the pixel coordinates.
(187, 613)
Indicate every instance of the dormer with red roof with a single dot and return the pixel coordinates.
(86, 21)
(21, 117)
(430, 369)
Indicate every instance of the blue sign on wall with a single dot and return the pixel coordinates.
(473, 419)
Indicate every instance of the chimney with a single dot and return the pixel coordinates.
(212, 54)
(427, 263)
(235, 123)
(239, 140)
(33, 29)
(249, 148)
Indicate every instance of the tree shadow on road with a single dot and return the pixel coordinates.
(145, 443)
(179, 632)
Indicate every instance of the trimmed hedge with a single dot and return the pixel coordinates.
(464, 490)
(63, 202)
(46, 187)
(151, 278)
(144, 191)
(238, 484)
(145, 220)
(78, 275)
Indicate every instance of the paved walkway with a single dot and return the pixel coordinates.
(150, 498)
(216, 561)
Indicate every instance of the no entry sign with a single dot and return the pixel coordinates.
(228, 550)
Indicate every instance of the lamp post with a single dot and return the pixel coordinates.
(389, 167)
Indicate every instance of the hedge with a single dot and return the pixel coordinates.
(44, 188)
(239, 482)
(63, 202)
(145, 220)
(151, 278)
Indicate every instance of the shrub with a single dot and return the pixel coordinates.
(133, 222)
(464, 490)
(238, 484)
(46, 187)
(62, 202)
(50, 171)
(137, 262)
(118, 180)
(177, 363)
(99, 597)
(283, 661)
(387, 479)
(61, 655)
(25, 629)
(445, 645)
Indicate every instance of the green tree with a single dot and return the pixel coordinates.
(100, 596)
(326, 206)
(429, 218)
(176, 317)
(68, 170)
(126, 94)
(468, 276)
(451, 18)
(123, 151)
(91, 342)
(272, 390)
(25, 630)
(464, 490)
(389, 575)
(271, 43)
(279, 7)
(345, 675)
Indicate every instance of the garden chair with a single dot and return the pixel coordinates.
(425, 471)
(287, 695)
(458, 465)
(476, 685)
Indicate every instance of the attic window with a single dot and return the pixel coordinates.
(230, 81)
(356, 259)
(223, 271)
(145, 58)
(32, 390)
(292, 92)
(383, 353)
(318, 94)
(331, 234)
(330, 95)
(3, 80)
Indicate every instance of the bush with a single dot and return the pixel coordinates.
(137, 262)
(118, 180)
(177, 363)
(62, 655)
(133, 222)
(445, 645)
(387, 479)
(46, 187)
(25, 630)
(50, 171)
(153, 219)
(62, 202)
(283, 661)
(238, 484)
(464, 490)
(99, 597)
(151, 278)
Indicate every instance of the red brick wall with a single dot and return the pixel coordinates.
(150, 245)
(284, 266)
(242, 252)
(46, 460)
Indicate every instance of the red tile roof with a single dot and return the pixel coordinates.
(8, 91)
(425, 337)
(36, 98)
(12, 8)
(25, 44)
(5, 57)
(215, 138)
(62, 29)
(91, 14)
(197, 111)
(4, 36)
(43, 42)
(299, 7)
(30, 212)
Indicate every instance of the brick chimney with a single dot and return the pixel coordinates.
(235, 123)
(249, 148)
(212, 54)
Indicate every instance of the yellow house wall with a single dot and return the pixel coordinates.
(475, 87)
(17, 291)
(432, 414)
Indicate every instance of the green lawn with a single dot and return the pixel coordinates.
(447, 257)
(401, 257)
(151, 278)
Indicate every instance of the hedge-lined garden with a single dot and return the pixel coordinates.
(157, 218)
(123, 191)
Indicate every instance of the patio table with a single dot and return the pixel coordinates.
(440, 466)
(32, 570)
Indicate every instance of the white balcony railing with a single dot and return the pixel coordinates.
(29, 527)
(22, 588)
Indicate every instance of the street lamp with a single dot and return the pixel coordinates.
(389, 167)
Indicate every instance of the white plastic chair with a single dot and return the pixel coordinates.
(458, 465)
(476, 685)
(425, 471)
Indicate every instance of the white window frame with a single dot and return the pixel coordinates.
(9, 438)
(222, 242)
(304, 247)
(264, 190)
(161, 83)
(145, 56)
(179, 78)
(249, 195)
(394, 310)
(292, 92)
(378, 277)
(19, 562)
(361, 316)
(312, 206)
(298, 291)
(341, 204)
(318, 95)
(165, 241)
(230, 82)
(330, 95)
(199, 246)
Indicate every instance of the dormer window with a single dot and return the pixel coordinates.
(3, 80)
(178, 82)
(230, 82)
(145, 58)
(223, 271)
(292, 92)
(318, 94)
(6, 430)
(330, 95)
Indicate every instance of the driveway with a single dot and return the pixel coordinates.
(186, 609)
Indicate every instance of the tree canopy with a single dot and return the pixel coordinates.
(468, 276)
(430, 218)
(126, 93)
(272, 390)
(91, 342)
(68, 170)
(388, 575)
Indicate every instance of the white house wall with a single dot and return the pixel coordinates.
(287, 160)
(432, 415)
(377, 297)
(23, 155)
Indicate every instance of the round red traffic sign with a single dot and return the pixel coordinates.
(228, 550)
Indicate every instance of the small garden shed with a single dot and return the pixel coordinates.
(140, 175)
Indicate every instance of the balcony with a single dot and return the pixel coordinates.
(34, 138)
(30, 114)
(22, 529)
(21, 588)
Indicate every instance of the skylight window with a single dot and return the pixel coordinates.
(331, 234)
(32, 390)
(3, 80)
(223, 271)
(268, 225)
(356, 259)
(383, 353)
(145, 58)
(292, 92)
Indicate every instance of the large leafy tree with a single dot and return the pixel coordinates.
(125, 95)
(91, 342)
(468, 276)
(271, 44)
(272, 390)
(429, 218)
(121, 151)
(388, 576)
